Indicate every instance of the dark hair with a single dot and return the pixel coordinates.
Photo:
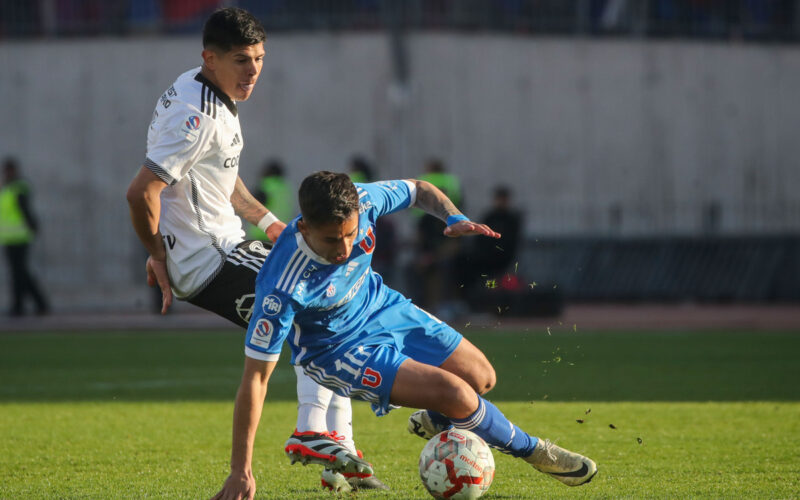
(327, 197)
(501, 190)
(273, 168)
(232, 27)
(10, 164)
(435, 165)
(360, 165)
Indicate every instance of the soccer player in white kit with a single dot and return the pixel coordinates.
(184, 204)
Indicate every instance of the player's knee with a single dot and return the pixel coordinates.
(483, 378)
(490, 379)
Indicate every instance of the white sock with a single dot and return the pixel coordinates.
(312, 403)
(340, 419)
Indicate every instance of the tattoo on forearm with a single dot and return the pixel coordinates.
(433, 201)
(245, 204)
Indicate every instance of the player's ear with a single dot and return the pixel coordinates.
(210, 59)
(301, 226)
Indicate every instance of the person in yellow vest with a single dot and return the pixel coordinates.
(275, 193)
(448, 183)
(17, 230)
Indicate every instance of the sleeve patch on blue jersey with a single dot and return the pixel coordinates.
(271, 305)
(262, 333)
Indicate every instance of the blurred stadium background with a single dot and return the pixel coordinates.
(651, 146)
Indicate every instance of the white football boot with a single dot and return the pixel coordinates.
(570, 468)
(420, 423)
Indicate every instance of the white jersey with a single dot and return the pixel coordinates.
(193, 145)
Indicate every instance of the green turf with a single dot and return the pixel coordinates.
(563, 366)
(180, 450)
(144, 415)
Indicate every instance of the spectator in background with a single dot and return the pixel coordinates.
(385, 255)
(361, 170)
(484, 270)
(18, 228)
(495, 259)
(435, 259)
(275, 193)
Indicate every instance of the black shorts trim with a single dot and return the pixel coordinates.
(232, 292)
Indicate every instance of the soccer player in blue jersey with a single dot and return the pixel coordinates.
(358, 337)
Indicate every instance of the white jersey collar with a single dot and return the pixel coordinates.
(303, 246)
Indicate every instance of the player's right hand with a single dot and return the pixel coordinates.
(274, 230)
(466, 227)
(157, 275)
(237, 487)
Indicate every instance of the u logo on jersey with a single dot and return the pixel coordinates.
(368, 243)
(371, 378)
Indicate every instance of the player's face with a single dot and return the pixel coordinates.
(235, 72)
(332, 241)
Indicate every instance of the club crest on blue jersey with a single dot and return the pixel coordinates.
(330, 291)
(262, 333)
(368, 243)
(271, 305)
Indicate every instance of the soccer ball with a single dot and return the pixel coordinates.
(456, 464)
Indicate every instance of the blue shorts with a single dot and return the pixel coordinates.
(366, 369)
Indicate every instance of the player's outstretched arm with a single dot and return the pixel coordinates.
(241, 484)
(250, 209)
(144, 202)
(434, 202)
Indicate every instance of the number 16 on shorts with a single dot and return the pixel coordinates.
(353, 363)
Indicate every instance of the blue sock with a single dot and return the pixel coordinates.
(439, 419)
(489, 423)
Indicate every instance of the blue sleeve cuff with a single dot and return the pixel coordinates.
(452, 219)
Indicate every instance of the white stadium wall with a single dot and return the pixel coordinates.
(594, 137)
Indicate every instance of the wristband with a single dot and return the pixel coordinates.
(267, 221)
(452, 219)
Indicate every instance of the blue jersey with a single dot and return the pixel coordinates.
(319, 305)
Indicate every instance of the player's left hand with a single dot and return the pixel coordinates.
(157, 276)
(237, 487)
(466, 228)
(274, 230)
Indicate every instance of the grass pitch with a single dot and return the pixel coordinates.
(142, 415)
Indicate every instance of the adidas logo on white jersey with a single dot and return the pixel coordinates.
(236, 140)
